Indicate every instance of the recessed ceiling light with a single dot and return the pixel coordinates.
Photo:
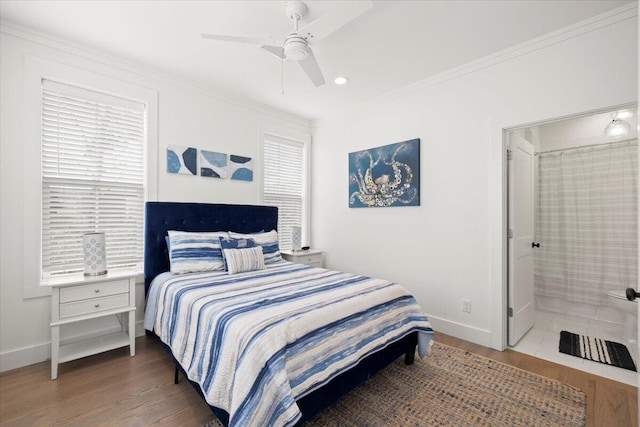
(341, 80)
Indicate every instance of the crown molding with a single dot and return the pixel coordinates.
(142, 70)
(612, 17)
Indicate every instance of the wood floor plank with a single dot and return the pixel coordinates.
(114, 389)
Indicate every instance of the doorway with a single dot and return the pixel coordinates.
(543, 298)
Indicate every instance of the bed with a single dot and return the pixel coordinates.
(276, 345)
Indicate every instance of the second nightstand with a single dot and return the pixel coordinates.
(310, 257)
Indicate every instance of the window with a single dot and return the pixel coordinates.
(285, 184)
(93, 176)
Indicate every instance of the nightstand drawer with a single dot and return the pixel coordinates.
(310, 259)
(93, 305)
(100, 289)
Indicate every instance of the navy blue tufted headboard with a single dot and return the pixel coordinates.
(163, 216)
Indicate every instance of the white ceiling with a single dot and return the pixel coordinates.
(395, 44)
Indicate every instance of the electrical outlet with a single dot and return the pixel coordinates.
(466, 305)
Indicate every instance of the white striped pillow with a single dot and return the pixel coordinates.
(267, 240)
(242, 260)
(193, 251)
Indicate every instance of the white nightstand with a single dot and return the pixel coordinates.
(311, 257)
(78, 298)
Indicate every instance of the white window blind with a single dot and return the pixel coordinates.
(92, 176)
(284, 183)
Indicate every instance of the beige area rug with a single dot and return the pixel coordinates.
(452, 387)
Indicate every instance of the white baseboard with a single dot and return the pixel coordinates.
(460, 330)
(42, 352)
(25, 356)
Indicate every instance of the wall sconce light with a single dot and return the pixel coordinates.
(617, 127)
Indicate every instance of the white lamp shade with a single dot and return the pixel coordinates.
(296, 238)
(95, 255)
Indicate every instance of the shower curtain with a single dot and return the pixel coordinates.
(586, 222)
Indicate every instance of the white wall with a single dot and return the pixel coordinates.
(451, 247)
(185, 116)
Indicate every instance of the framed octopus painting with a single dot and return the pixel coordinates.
(385, 176)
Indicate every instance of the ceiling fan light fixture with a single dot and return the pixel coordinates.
(297, 44)
(624, 114)
(341, 80)
(296, 48)
(617, 127)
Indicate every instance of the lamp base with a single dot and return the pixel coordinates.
(99, 273)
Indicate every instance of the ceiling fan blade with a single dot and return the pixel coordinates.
(275, 50)
(335, 19)
(237, 39)
(312, 69)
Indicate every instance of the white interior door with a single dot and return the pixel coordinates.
(521, 238)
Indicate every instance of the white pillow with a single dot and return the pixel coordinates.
(267, 240)
(242, 260)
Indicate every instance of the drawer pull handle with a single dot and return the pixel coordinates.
(97, 305)
(96, 291)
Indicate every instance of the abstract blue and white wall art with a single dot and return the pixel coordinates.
(213, 164)
(385, 176)
(182, 160)
(241, 168)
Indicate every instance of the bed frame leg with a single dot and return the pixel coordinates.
(176, 380)
(410, 356)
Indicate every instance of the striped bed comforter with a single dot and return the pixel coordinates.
(257, 341)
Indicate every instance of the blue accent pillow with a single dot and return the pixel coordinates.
(195, 251)
(231, 243)
(235, 243)
(268, 241)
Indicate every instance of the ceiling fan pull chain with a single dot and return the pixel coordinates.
(282, 76)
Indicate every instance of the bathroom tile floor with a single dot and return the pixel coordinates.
(543, 340)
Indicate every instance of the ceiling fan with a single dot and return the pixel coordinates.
(297, 44)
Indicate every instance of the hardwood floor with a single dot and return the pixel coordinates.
(114, 389)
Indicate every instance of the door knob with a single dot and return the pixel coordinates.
(535, 245)
(632, 294)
